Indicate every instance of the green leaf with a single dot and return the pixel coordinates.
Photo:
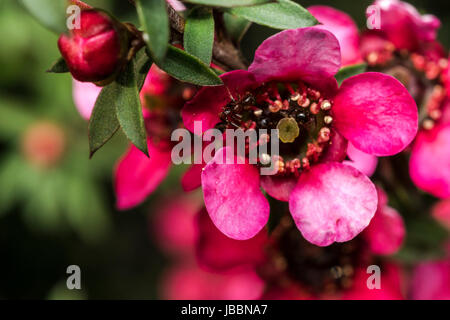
(103, 122)
(283, 14)
(143, 65)
(155, 22)
(228, 3)
(236, 26)
(350, 71)
(185, 67)
(199, 34)
(425, 240)
(59, 66)
(129, 109)
(50, 13)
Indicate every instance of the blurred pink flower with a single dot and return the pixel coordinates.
(189, 282)
(404, 26)
(174, 224)
(292, 268)
(386, 231)
(371, 110)
(441, 212)
(431, 280)
(344, 29)
(430, 161)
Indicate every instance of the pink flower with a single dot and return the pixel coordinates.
(386, 231)
(174, 224)
(189, 282)
(403, 24)
(431, 280)
(429, 164)
(343, 27)
(292, 76)
(362, 161)
(97, 50)
(441, 212)
(292, 268)
(178, 225)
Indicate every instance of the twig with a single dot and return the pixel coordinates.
(225, 54)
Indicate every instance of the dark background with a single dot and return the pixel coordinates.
(124, 262)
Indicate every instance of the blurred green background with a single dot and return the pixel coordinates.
(54, 217)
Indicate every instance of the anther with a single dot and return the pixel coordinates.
(258, 113)
(428, 124)
(295, 97)
(314, 108)
(328, 119)
(264, 158)
(304, 103)
(324, 135)
(325, 105)
(276, 106)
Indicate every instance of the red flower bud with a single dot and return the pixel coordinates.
(97, 50)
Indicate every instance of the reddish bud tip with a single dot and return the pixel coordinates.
(97, 50)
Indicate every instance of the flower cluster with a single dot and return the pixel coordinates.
(310, 228)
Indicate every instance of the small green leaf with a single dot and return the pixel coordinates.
(185, 67)
(59, 66)
(143, 65)
(103, 122)
(425, 240)
(350, 71)
(50, 13)
(283, 14)
(228, 3)
(129, 109)
(199, 33)
(236, 26)
(155, 22)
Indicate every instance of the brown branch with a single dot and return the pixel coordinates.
(225, 54)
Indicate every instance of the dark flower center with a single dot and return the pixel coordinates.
(320, 270)
(299, 112)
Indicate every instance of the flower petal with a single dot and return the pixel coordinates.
(391, 285)
(307, 54)
(215, 251)
(189, 282)
(192, 177)
(404, 25)
(343, 27)
(362, 161)
(441, 212)
(209, 102)
(429, 165)
(233, 198)
(337, 149)
(332, 202)
(431, 281)
(376, 113)
(386, 231)
(174, 223)
(136, 176)
(278, 187)
(84, 96)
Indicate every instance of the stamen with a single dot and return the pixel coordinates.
(328, 119)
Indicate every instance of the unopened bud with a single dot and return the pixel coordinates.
(97, 50)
